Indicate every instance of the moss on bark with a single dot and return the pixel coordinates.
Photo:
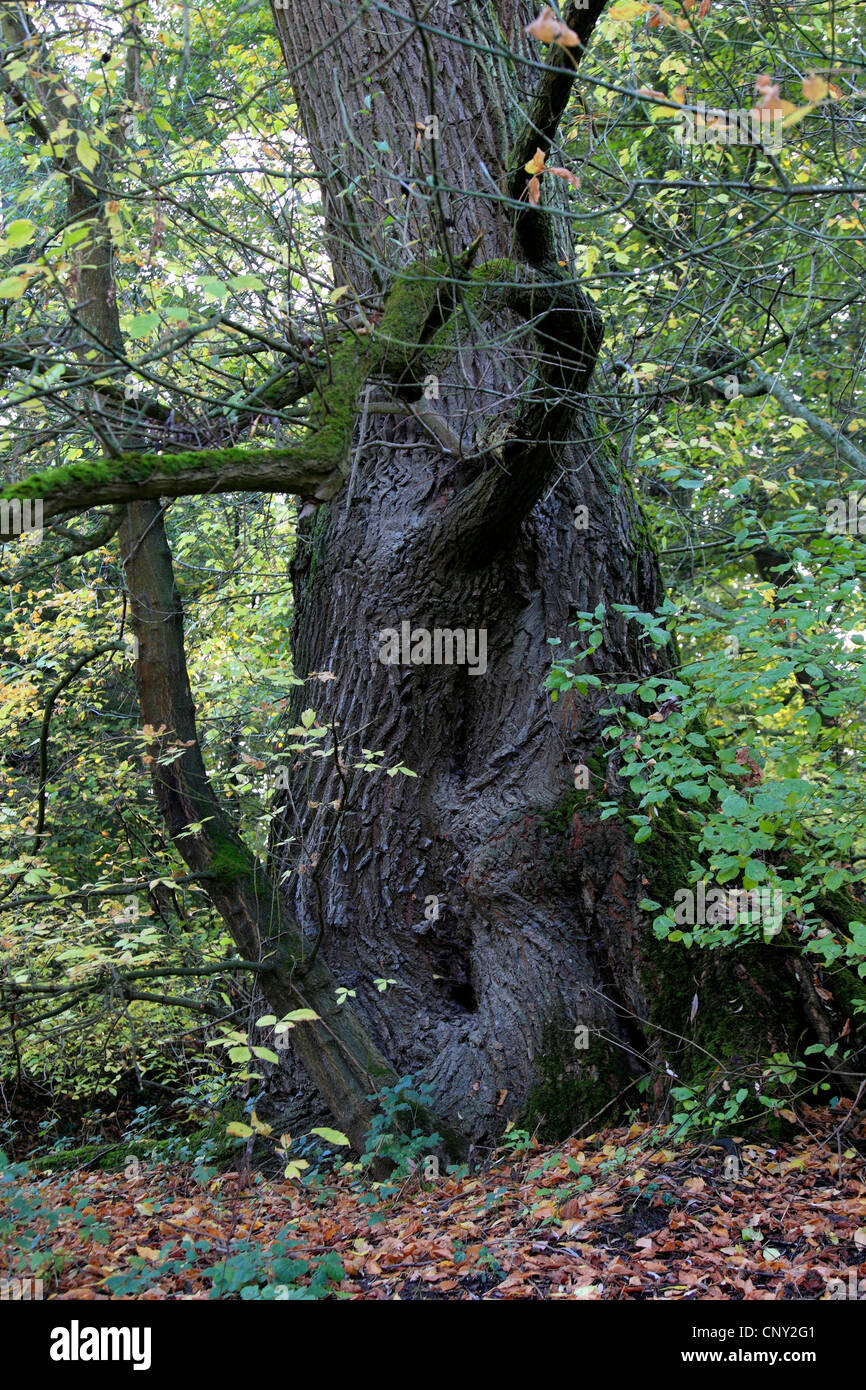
(574, 1085)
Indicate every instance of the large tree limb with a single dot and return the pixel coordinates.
(317, 465)
(768, 384)
(526, 452)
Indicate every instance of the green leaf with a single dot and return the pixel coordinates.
(13, 286)
(19, 233)
(694, 791)
(245, 282)
(331, 1136)
(85, 153)
(141, 325)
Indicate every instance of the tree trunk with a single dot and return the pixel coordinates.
(486, 888)
(467, 884)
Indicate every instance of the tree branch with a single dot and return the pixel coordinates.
(484, 516)
(341, 1058)
(545, 113)
(316, 466)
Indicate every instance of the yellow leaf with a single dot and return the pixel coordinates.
(815, 88)
(13, 286)
(795, 115)
(627, 9)
(330, 1136)
(85, 153)
(242, 1131)
(536, 164)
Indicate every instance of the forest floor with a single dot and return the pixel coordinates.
(616, 1215)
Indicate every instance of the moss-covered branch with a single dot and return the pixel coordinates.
(316, 465)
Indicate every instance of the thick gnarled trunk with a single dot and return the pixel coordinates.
(462, 884)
